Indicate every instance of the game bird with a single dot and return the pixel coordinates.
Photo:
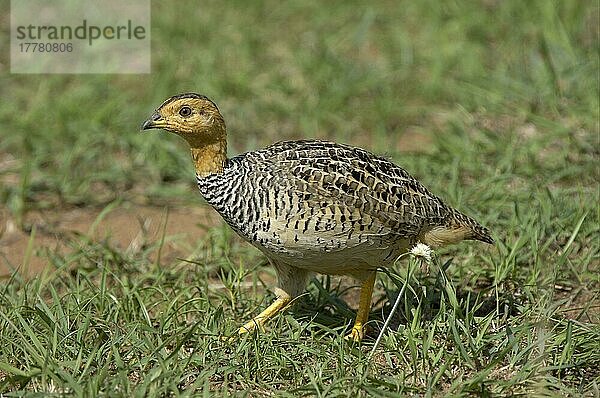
(312, 206)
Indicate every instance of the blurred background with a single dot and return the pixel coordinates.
(492, 104)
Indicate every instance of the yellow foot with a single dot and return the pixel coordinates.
(241, 331)
(356, 334)
(256, 324)
(362, 316)
(229, 339)
(249, 327)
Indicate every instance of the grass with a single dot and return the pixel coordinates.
(494, 106)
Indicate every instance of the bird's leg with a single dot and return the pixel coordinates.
(283, 299)
(364, 307)
(292, 282)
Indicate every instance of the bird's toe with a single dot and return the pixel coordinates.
(356, 334)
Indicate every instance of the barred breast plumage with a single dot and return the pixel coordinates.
(327, 207)
(312, 206)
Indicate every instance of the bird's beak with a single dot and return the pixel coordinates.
(152, 122)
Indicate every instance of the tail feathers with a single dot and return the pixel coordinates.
(476, 231)
(481, 233)
(457, 227)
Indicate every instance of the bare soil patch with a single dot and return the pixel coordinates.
(125, 227)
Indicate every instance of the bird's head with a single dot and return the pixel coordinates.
(198, 120)
(192, 116)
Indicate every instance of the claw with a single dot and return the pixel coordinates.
(356, 334)
(362, 316)
(252, 325)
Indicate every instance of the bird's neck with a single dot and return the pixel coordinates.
(209, 158)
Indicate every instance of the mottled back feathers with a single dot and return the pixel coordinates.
(300, 199)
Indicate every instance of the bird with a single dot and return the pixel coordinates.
(312, 206)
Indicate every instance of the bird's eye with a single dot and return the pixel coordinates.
(185, 111)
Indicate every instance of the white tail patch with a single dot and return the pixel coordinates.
(442, 235)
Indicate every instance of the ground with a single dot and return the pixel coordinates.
(117, 279)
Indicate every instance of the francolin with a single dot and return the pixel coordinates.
(312, 206)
